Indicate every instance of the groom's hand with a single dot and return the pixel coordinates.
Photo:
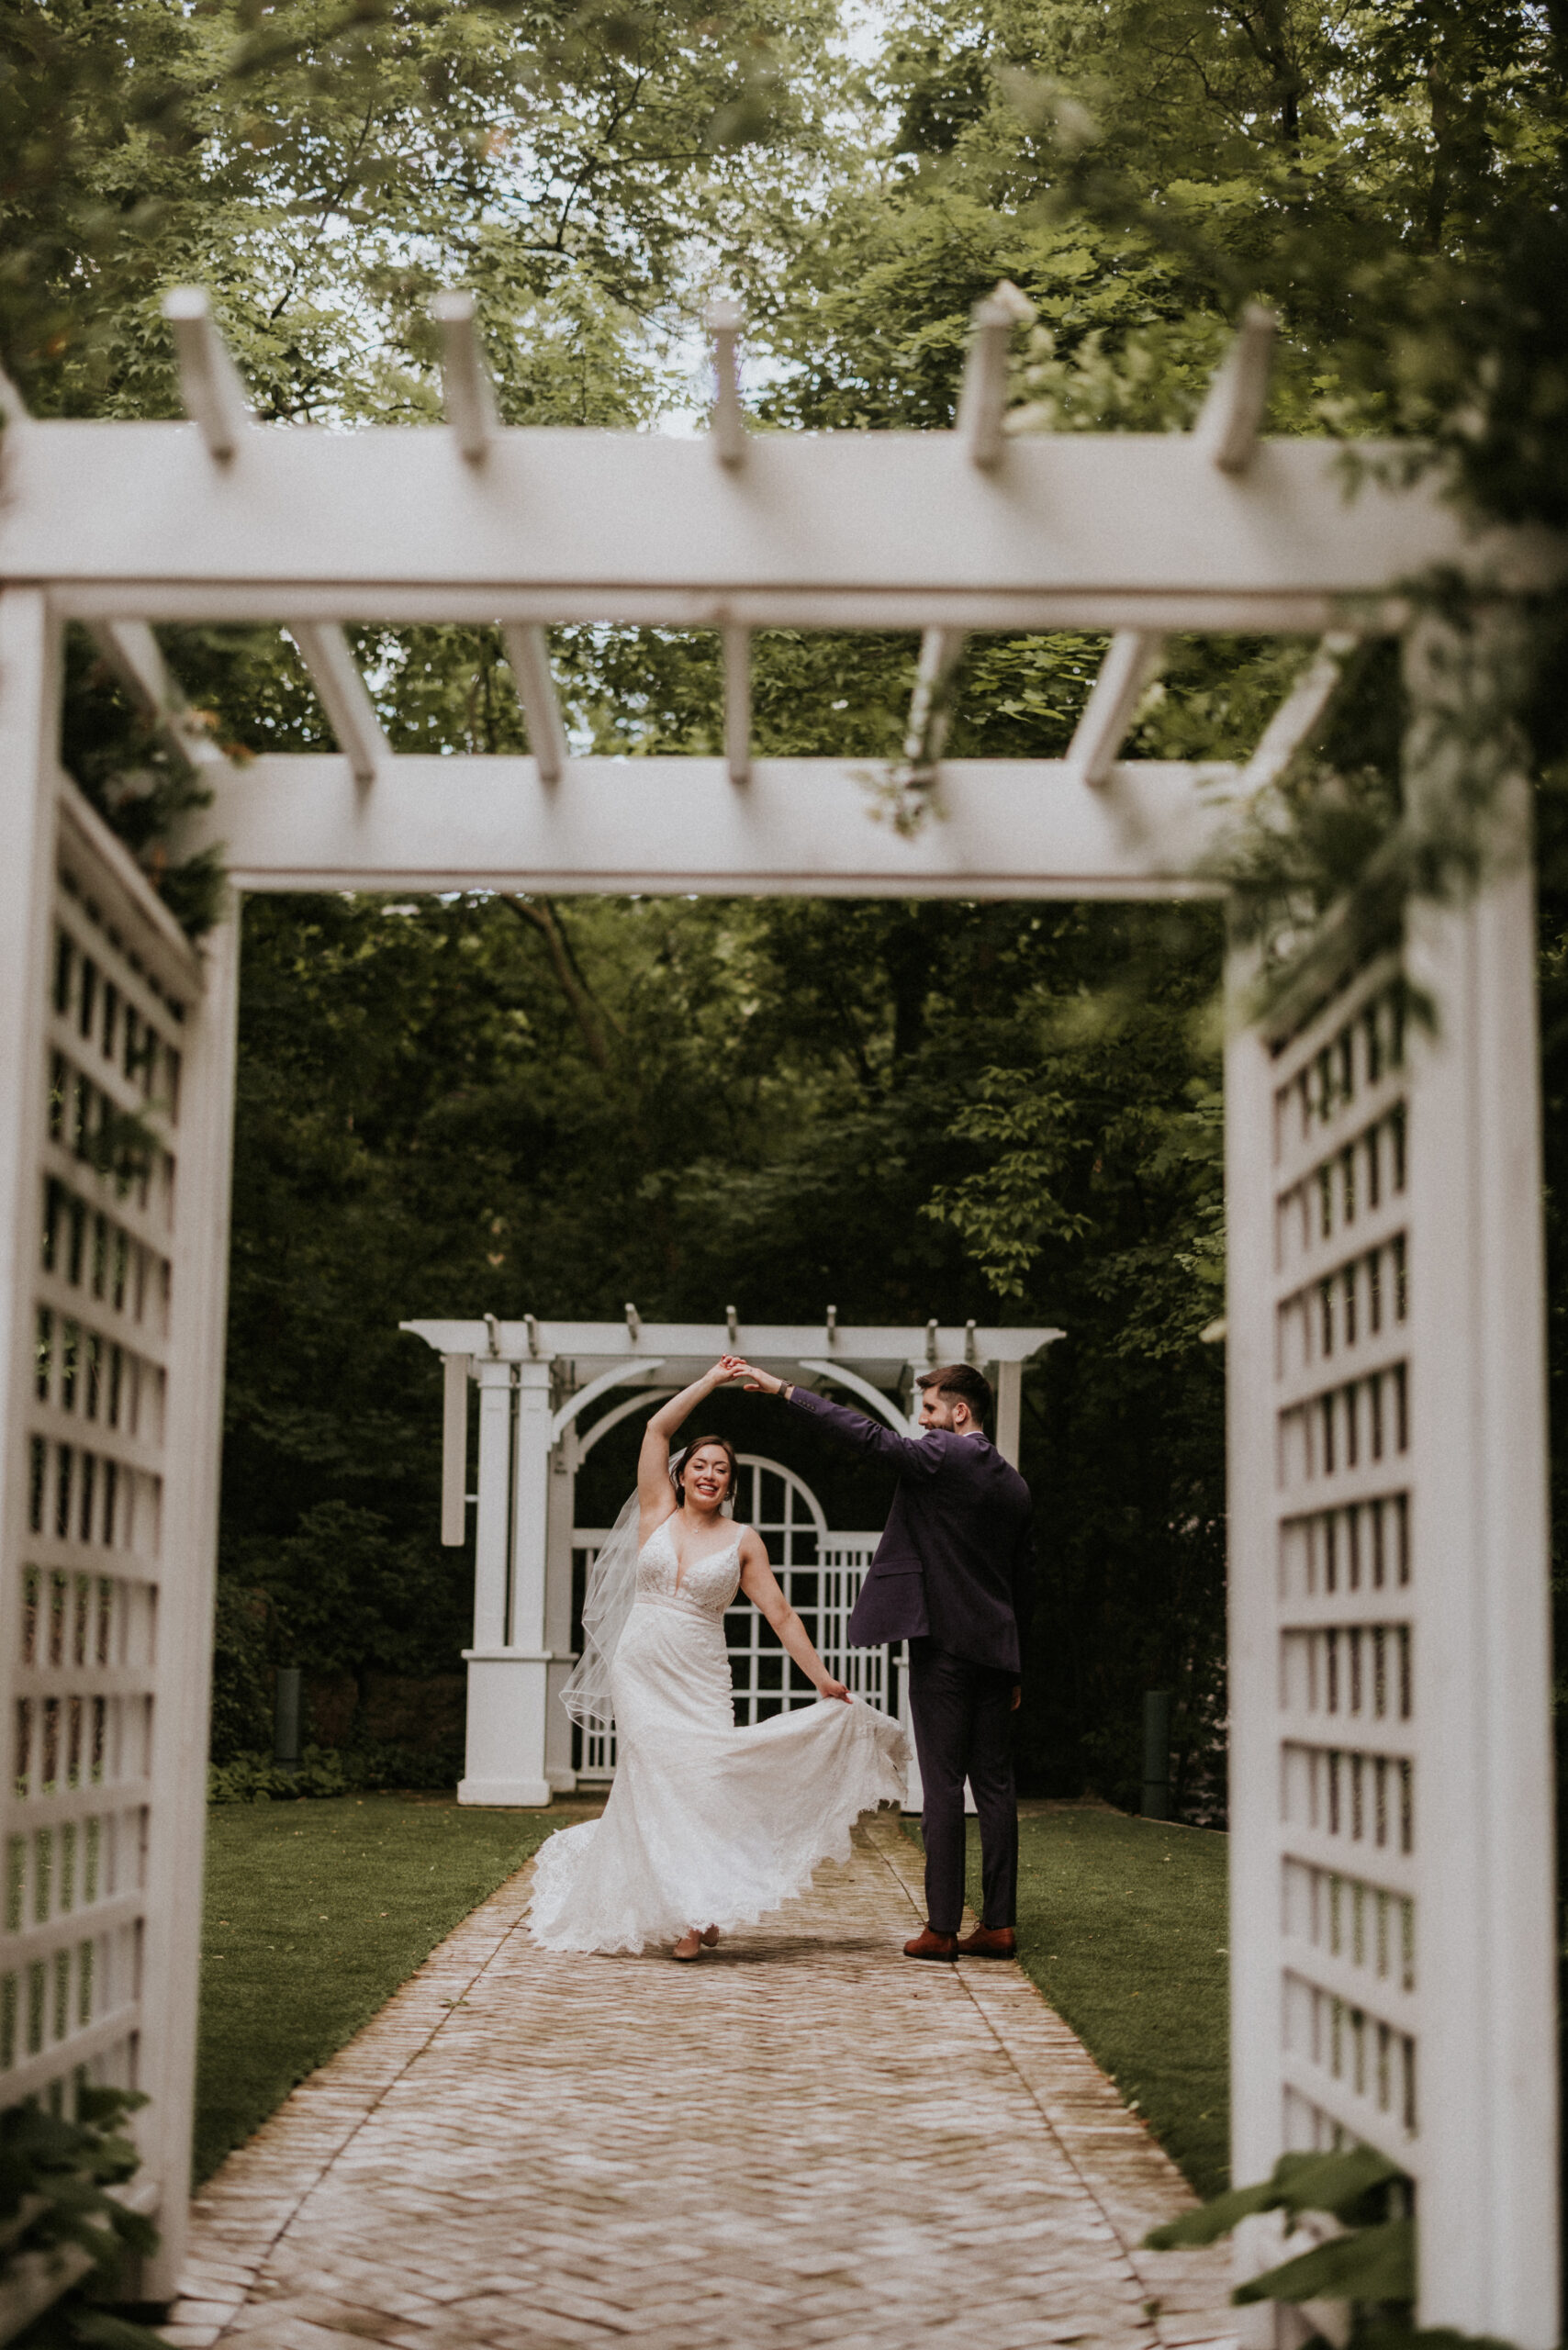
(760, 1382)
(1017, 1696)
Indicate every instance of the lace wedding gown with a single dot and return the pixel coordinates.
(706, 1824)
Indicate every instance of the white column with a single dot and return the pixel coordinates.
(508, 1664)
(530, 1497)
(561, 1511)
(1009, 1408)
(1483, 1842)
(491, 1530)
(28, 703)
(1257, 2017)
(456, 1370)
(200, 1295)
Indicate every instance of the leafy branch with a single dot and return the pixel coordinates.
(57, 2212)
(1369, 2262)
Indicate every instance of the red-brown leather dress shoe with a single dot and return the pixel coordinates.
(989, 1941)
(929, 1945)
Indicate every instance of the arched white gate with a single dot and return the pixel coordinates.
(821, 1572)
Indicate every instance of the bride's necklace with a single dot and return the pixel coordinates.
(681, 1564)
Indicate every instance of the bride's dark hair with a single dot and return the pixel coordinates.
(700, 1444)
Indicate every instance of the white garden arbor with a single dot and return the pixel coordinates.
(1393, 1928)
(536, 1379)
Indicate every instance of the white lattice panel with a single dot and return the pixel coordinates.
(109, 1479)
(1346, 1599)
(85, 1674)
(1389, 1779)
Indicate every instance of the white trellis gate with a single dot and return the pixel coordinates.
(1392, 1939)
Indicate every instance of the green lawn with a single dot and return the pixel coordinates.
(1122, 1923)
(316, 1912)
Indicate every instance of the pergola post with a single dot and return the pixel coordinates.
(560, 1511)
(485, 1753)
(1009, 1409)
(517, 1681)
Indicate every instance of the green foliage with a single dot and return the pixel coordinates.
(1351, 2186)
(241, 1672)
(1371, 2264)
(140, 786)
(256, 1778)
(330, 1771)
(55, 2177)
(323, 168)
(1008, 1212)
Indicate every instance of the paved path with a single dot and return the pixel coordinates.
(804, 2139)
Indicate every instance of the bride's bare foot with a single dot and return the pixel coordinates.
(709, 1935)
(689, 1945)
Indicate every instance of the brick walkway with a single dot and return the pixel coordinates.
(802, 2140)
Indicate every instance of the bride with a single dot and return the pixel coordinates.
(708, 1827)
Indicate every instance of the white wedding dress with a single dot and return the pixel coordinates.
(706, 1824)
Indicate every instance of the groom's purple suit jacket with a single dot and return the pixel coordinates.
(957, 1562)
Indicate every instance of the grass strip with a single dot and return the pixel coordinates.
(316, 1912)
(1123, 1925)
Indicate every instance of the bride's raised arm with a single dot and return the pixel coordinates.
(655, 1494)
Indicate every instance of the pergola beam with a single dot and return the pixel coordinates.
(1232, 416)
(874, 530)
(802, 827)
(1130, 661)
(1297, 717)
(941, 649)
(725, 320)
(982, 398)
(217, 402)
(210, 386)
(874, 1349)
(133, 652)
(528, 657)
(335, 675)
(737, 703)
(467, 390)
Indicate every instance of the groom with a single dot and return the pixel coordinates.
(954, 1576)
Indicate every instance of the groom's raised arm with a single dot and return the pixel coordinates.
(910, 1456)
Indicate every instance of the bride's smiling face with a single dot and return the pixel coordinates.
(706, 1477)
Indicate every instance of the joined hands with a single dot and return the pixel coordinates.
(758, 1383)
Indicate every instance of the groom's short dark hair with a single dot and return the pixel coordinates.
(963, 1383)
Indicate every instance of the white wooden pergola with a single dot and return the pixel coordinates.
(1393, 1928)
(536, 1379)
